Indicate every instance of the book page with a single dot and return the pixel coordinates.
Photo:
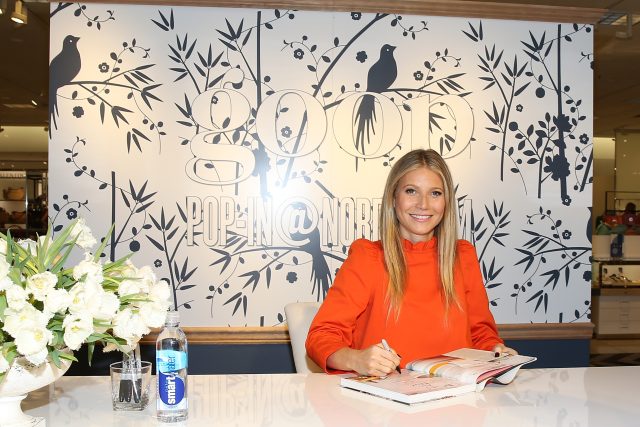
(476, 367)
(407, 387)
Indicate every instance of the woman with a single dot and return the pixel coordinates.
(418, 288)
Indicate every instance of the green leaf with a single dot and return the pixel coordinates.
(103, 245)
(3, 306)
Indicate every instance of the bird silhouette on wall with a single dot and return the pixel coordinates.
(62, 70)
(310, 243)
(381, 76)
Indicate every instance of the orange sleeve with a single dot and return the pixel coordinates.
(334, 325)
(484, 333)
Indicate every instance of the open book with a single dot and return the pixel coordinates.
(454, 373)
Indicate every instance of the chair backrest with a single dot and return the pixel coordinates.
(299, 317)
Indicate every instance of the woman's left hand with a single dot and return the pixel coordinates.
(503, 349)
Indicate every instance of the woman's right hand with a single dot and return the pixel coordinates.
(374, 360)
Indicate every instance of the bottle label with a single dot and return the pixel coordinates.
(171, 389)
(171, 385)
(171, 360)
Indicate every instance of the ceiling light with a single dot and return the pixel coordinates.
(17, 15)
(33, 101)
(3, 6)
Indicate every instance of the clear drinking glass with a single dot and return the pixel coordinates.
(130, 385)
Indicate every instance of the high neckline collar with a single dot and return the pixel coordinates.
(420, 246)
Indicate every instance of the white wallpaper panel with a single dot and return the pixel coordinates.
(240, 152)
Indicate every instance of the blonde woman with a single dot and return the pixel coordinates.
(419, 288)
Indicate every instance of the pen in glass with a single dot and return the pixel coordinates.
(386, 347)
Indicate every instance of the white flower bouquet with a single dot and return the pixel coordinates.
(47, 309)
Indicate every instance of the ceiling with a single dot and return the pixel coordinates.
(24, 77)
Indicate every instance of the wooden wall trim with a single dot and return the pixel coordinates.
(459, 8)
(546, 331)
(280, 334)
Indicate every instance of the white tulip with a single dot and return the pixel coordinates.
(85, 238)
(77, 328)
(3, 246)
(161, 293)
(57, 301)
(16, 297)
(108, 306)
(32, 340)
(5, 282)
(85, 298)
(129, 326)
(39, 357)
(39, 285)
(4, 365)
(129, 287)
(4, 265)
(29, 245)
(147, 279)
(153, 314)
(88, 271)
(27, 317)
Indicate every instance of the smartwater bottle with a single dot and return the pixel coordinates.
(171, 371)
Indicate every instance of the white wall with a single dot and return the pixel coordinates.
(245, 203)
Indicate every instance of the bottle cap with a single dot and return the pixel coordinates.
(173, 317)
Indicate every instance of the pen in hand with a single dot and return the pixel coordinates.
(386, 347)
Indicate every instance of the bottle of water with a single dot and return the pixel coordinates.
(171, 371)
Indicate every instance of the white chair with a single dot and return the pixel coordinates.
(299, 317)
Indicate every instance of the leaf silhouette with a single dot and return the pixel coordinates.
(254, 278)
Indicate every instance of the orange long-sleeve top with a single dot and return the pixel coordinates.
(355, 311)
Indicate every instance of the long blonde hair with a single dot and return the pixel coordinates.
(446, 232)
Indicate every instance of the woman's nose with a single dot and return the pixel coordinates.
(423, 202)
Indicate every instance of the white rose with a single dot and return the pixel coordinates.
(39, 285)
(57, 301)
(77, 328)
(27, 317)
(33, 340)
(88, 271)
(153, 314)
(16, 296)
(85, 238)
(129, 326)
(4, 365)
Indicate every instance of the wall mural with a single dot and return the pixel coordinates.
(241, 151)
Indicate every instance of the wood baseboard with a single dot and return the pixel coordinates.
(280, 334)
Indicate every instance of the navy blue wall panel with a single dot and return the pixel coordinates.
(277, 358)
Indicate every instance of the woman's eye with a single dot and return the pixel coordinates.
(436, 193)
(410, 191)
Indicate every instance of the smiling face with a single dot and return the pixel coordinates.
(419, 203)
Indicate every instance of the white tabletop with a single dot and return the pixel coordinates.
(576, 397)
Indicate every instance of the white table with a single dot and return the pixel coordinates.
(576, 397)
